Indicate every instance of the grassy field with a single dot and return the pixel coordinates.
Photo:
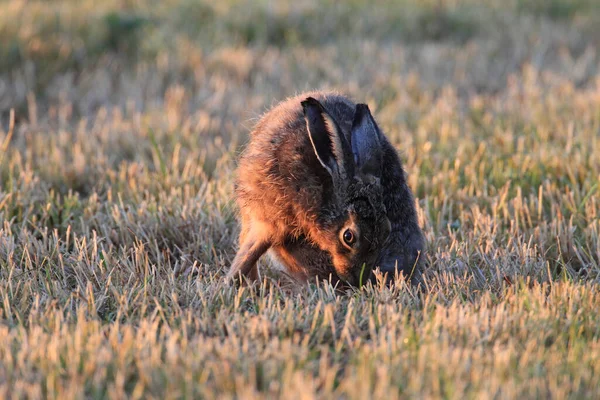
(120, 125)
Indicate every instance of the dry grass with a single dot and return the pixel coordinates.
(117, 225)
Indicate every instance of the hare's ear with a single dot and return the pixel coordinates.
(327, 139)
(366, 142)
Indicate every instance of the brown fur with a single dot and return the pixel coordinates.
(290, 203)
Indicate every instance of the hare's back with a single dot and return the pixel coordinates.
(281, 139)
(279, 172)
(287, 117)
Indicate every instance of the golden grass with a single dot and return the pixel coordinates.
(117, 222)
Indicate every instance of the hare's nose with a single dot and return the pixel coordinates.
(361, 275)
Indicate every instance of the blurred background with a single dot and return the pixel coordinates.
(232, 56)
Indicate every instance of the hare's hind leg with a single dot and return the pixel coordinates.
(253, 245)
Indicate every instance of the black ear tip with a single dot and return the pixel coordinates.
(310, 102)
(362, 109)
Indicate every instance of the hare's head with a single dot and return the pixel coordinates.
(355, 222)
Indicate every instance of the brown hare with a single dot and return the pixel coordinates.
(320, 187)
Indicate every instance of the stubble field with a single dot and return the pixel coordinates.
(117, 223)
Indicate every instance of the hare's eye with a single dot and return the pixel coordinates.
(348, 237)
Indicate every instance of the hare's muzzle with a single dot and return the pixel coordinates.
(359, 276)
